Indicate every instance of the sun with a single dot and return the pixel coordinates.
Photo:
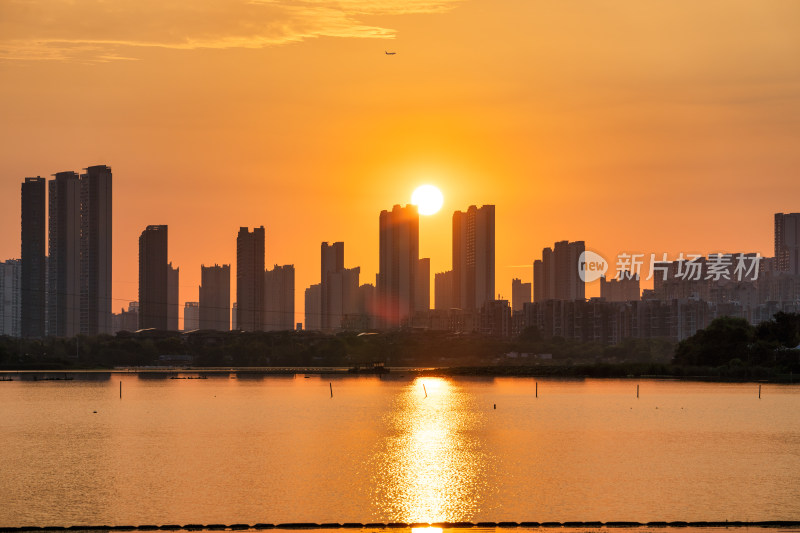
(428, 199)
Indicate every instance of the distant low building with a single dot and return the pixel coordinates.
(126, 320)
(191, 316)
(625, 289)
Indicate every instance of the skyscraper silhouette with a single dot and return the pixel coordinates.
(10, 294)
(313, 305)
(173, 297)
(556, 276)
(250, 279)
(153, 278)
(520, 294)
(96, 247)
(64, 261)
(443, 290)
(473, 257)
(422, 296)
(34, 226)
(787, 242)
(331, 264)
(399, 256)
(215, 297)
(279, 298)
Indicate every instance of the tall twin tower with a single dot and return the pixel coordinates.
(468, 286)
(66, 275)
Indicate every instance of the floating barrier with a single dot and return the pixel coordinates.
(771, 524)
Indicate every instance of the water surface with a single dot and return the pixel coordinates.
(280, 449)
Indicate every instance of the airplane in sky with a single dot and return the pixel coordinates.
(389, 53)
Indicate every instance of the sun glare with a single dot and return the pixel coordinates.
(428, 199)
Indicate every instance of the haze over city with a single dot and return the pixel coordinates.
(640, 128)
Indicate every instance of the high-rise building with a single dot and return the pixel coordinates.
(339, 295)
(215, 297)
(544, 280)
(313, 305)
(569, 285)
(331, 259)
(250, 279)
(64, 258)
(279, 298)
(399, 256)
(422, 297)
(520, 294)
(191, 316)
(443, 290)
(96, 246)
(173, 297)
(10, 294)
(342, 297)
(787, 242)
(556, 276)
(366, 306)
(473, 257)
(331, 267)
(34, 239)
(153, 278)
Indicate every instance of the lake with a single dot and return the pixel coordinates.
(275, 449)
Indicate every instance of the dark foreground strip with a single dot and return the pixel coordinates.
(402, 525)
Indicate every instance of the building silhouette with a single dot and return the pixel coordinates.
(787, 242)
(173, 297)
(473, 257)
(331, 267)
(250, 279)
(191, 316)
(64, 259)
(520, 294)
(339, 294)
(33, 275)
(126, 320)
(620, 290)
(279, 298)
(364, 317)
(154, 278)
(96, 248)
(313, 306)
(10, 295)
(443, 290)
(215, 297)
(399, 257)
(495, 318)
(422, 296)
(556, 275)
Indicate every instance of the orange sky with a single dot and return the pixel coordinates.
(655, 126)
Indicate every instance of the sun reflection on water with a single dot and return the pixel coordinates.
(431, 467)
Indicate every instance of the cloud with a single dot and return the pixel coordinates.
(110, 30)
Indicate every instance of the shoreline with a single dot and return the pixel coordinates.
(600, 372)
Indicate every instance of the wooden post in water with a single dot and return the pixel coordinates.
(331, 386)
(424, 389)
(120, 389)
(537, 389)
(637, 390)
(759, 392)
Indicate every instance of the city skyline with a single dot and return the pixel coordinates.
(473, 237)
(577, 122)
